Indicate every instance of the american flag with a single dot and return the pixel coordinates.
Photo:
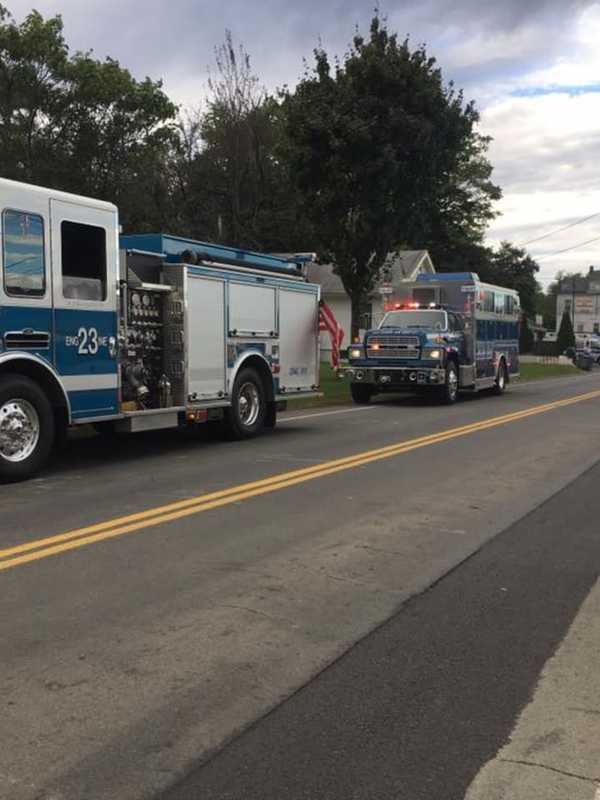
(327, 322)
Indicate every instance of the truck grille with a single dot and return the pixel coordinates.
(393, 347)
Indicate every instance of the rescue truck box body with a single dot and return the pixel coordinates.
(139, 332)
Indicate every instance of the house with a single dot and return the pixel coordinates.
(400, 268)
(580, 297)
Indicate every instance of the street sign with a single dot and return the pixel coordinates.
(386, 288)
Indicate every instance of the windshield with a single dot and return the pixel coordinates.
(432, 320)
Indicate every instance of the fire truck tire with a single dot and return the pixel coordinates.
(247, 414)
(449, 392)
(361, 393)
(27, 428)
(501, 378)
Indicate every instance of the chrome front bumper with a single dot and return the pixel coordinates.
(394, 377)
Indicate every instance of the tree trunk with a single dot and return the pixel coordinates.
(356, 305)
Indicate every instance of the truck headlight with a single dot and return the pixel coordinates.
(434, 354)
(356, 352)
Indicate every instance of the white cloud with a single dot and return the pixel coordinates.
(546, 150)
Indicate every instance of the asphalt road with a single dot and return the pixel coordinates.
(134, 649)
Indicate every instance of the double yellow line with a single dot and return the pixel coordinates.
(53, 545)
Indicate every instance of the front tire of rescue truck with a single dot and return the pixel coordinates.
(27, 428)
(449, 392)
(501, 378)
(361, 393)
(247, 415)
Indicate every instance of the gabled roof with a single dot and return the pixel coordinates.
(400, 266)
(570, 285)
(404, 265)
(326, 277)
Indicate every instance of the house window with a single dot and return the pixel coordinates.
(23, 251)
(83, 261)
(596, 327)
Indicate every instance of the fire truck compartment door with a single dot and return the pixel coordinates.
(298, 339)
(206, 346)
(251, 310)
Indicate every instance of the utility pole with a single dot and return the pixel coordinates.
(573, 303)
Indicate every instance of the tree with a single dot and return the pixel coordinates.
(455, 226)
(545, 305)
(79, 124)
(513, 268)
(383, 155)
(566, 336)
(526, 337)
(236, 184)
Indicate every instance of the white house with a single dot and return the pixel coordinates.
(580, 298)
(401, 267)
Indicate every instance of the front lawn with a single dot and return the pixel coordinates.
(536, 372)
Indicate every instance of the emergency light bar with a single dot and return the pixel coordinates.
(414, 306)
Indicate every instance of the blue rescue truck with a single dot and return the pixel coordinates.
(139, 332)
(452, 334)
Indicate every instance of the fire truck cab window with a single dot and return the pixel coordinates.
(83, 261)
(23, 254)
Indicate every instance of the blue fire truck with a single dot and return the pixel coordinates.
(451, 334)
(148, 332)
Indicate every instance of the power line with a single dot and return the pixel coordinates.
(559, 230)
(566, 249)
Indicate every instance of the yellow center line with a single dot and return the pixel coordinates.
(43, 548)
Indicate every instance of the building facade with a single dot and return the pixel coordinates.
(580, 298)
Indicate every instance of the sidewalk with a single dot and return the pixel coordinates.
(554, 750)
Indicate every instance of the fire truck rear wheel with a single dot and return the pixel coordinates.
(501, 379)
(361, 393)
(246, 417)
(27, 428)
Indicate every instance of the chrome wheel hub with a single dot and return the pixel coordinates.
(452, 382)
(249, 404)
(19, 430)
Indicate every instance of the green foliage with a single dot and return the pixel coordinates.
(383, 153)
(366, 155)
(526, 337)
(76, 123)
(566, 336)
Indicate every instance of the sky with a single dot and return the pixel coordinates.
(531, 66)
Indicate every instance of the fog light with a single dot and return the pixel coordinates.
(360, 375)
(412, 376)
(385, 379)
